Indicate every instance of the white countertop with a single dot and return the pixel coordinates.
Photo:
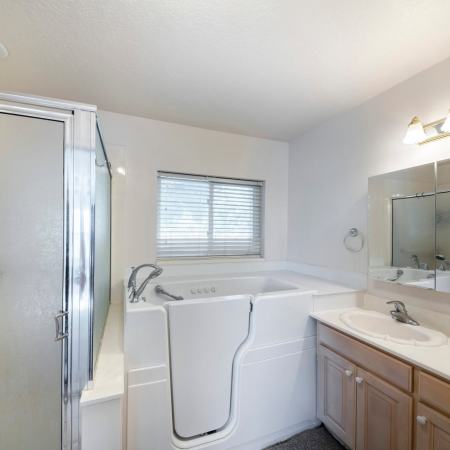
(433, 359)
(109, 380)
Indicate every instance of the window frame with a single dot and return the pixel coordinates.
(232, 180)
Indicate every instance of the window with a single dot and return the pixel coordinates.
(200, 216)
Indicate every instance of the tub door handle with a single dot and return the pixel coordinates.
(60, 322)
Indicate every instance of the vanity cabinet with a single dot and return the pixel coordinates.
(432, 429)
(383, 414)
(364, 395)
(362, 410)
(433, 413)
(337, 395)
(371, 400)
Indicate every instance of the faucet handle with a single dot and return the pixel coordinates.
(398, 305)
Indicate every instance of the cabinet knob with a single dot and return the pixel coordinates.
(422, 420)
(348, 372)
(359, 380)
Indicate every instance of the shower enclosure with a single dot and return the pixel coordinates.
(55, 187)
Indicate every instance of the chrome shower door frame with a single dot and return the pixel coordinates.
(79, 159)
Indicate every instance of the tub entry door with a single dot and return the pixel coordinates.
(204, 338)
(31, 282)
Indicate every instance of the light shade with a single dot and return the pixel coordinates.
(446, 125)
(415, 133)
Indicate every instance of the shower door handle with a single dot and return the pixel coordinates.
(60, 320)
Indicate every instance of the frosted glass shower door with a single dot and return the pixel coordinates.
(102, 266)
(31, 282)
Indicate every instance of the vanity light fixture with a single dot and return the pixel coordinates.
(417, 133)
(446, 125)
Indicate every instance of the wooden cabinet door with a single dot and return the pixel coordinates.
(432, 429)
(337, 395)
(384, 415)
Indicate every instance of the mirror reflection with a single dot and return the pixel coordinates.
(402, 227)
(443, 226)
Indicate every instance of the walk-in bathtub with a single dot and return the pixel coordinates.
(232, 365)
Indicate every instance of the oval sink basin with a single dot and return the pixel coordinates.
(381, 326)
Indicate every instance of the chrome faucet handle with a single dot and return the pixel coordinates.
(400, 313)
(399, 306)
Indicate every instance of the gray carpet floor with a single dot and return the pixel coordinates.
(315, 439)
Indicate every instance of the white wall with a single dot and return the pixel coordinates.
(329, 167)
(144, 146)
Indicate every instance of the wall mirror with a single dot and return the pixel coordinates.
(409, 226)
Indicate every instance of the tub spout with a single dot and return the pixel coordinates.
(161, 291)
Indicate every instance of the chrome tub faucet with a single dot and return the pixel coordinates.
(134, 292)
(416, 261)
(397, 275)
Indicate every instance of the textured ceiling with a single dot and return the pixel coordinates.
(268, 68)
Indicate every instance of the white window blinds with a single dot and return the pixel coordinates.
(202, 216)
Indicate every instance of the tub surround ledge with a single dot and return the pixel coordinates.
(103, 404)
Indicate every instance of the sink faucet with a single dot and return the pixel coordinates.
(400, 313)
(135, 293)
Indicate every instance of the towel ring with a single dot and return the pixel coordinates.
(353, 233)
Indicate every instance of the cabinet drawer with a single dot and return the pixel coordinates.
(390, 369)
(434, 392)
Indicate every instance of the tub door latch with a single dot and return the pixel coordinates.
(60, 325)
